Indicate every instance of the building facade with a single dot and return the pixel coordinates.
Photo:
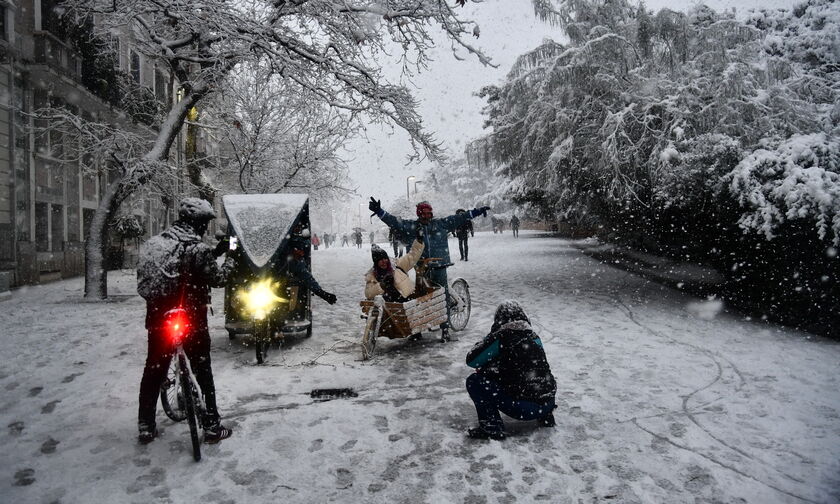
(46, 201)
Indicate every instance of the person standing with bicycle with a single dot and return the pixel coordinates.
(436, 238)
(177, 270)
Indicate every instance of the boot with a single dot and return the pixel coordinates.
(147, 434)
(547, 421)
(213, 435)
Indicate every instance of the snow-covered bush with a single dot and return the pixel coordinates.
(799, 179)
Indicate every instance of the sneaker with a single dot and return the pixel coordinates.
(480, 433)
(215, 434)
(146, 436)
(547, 421)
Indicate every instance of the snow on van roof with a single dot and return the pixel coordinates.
(262, 221)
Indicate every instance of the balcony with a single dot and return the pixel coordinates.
(54, 53)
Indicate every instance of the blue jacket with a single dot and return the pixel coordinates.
(437, 231)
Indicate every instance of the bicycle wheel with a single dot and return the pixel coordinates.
(171, 397)
(188, 391)
(460, 312)
(371, 332)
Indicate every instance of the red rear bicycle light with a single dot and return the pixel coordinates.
(176, 324)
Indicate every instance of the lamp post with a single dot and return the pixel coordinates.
(407, 195)
(415, 187)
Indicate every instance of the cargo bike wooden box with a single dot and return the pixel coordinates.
(261, 298)
(423, 313)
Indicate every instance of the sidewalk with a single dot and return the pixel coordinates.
(695, 278)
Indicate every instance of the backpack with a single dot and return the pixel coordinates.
(160, 267)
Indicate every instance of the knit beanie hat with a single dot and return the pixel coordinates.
(377, 253)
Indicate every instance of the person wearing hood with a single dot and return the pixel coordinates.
(198, 273)
(390, 278)
(512, 375)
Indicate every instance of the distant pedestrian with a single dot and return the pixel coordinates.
(344, 242)
(512, 375)
(358, 239)
(372, 237)
(514, 226)
(463, 232)
(315, 241)
(393, 237)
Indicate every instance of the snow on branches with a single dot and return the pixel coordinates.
(797, 179)
(645, 112)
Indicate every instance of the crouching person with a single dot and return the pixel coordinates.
(512, 377)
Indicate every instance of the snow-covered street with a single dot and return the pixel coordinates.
(662, 397)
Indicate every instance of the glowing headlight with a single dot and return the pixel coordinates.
(259, 298)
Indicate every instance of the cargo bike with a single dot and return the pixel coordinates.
(425, 311)
(262, 298)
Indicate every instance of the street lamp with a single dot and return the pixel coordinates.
(407, 195)
(415, 187)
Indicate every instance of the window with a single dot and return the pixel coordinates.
(72, 224)
(162, 88)
(4, 23)
(42, 230)
(57, 231)
(134, 65)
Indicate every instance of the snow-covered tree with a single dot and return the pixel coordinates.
(273, 139)
(692, 133)
(328, 48)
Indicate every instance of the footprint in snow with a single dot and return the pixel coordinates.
(24, 477)
(49, 407)
(69, 378)
(35, 391)
(15, 428)
(49, 446)
(381, 424)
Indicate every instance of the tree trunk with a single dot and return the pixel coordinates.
(96, 272)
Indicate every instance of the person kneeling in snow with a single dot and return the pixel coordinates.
(390, 279)
(513, 375)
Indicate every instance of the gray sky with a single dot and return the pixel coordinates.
(445, 90)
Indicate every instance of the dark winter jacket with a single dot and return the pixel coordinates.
(298, 270)
(436, 232)
(464, 230)
(512, 355)
(199, 274)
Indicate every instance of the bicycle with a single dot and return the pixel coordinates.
(426, 311)
(179, 393)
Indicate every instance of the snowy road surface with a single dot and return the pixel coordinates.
(661, 399)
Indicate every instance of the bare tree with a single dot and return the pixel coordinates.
(328, 48)
(272, 139)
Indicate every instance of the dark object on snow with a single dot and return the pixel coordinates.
(328, 394)
(513, 375)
